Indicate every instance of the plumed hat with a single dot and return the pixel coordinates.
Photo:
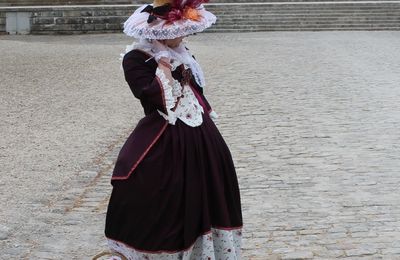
(169, 19)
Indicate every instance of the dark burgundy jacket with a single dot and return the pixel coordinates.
(146, 86)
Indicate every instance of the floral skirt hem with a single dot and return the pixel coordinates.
(214, 244)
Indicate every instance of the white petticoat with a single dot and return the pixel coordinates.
(214, 245)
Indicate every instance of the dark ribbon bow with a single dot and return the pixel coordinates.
(155, 12)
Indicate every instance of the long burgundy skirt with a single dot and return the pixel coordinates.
(181, 202)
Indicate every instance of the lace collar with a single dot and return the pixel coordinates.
(180, 55)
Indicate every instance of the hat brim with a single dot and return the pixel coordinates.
(136, 25)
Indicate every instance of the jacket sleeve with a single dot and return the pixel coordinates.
(142, 80)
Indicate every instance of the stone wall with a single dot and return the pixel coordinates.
(231, 17)
(2, 22)
(64, 2)
(114, 2)
(84, 19)
(98, 2)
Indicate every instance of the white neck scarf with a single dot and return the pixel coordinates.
(179, 53)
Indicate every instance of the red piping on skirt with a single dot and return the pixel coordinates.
(143, 154)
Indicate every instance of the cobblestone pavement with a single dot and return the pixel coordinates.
(312, 120)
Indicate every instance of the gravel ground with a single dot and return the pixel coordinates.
(312, 120)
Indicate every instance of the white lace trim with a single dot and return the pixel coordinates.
(213, 115)
(215, 245)
(171, 91)
(175, 64)
(136, 25)
(179, 55)
(188, 108)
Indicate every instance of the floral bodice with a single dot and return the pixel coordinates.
(181, 102)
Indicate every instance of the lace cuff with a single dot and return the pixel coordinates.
(171, 94)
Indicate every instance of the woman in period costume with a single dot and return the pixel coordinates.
(175, 190)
